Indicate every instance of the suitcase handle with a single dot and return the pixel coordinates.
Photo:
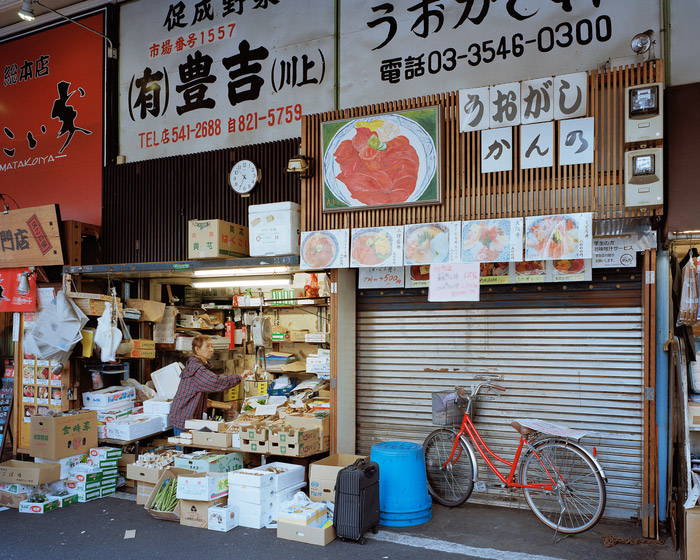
(368, 468)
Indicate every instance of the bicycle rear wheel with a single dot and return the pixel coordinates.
(452, 485)
(577, 502)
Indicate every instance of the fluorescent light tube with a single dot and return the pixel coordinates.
(243, 283)
(261, 270)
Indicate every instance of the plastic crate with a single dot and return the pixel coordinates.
(445, 409)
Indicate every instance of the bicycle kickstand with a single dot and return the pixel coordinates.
(561, 514)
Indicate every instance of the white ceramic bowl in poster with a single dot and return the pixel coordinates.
(371, 247)
(417, 136)
(319, 250)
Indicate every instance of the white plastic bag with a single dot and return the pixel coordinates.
(107, 335)
(688, 310)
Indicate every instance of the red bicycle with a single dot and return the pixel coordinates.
(563, 483)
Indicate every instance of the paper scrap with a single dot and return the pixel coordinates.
(130, 534)
(3, 508)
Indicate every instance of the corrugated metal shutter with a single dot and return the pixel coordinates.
(577, 366)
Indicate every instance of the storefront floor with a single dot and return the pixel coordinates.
(98, 529)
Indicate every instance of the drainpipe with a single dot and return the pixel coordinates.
(663, 295)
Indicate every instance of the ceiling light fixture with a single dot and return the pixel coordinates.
(26, 12)
(244, 283)
(643, 42)
(255, 271)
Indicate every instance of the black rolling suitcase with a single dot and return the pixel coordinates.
(357, 500)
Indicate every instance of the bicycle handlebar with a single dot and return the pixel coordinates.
(475, 390)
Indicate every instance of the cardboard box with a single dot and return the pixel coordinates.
(8, 499)
(255, 478)
(232, 394)
(107, 491)
(134, 427)
(203, 461)
(216, 239)
(309, 535)
(195, 513)
(109, 464)
(66, 463)
(297, 336)
(319, 337)
(111, 415)
(202, 486)
(211, 439)
(692, 533)
(63, 501)
(140, 353)
(242, 494)
(284, 475)
(82, 486)
(16, 488)
(152, 311)
(309, 422)
(254, 445)
(315, 514)
(693, 415)
(122, 464)
(144, 343)
(144, 490)
(170, 473)
(56, 437)
(29, 474)
(105, 398)
(294, 442)
(252, 388)
(274, 229)
(86, 473)
(322, 475)
(89, 495)
(213, 425)
(141, 473)
(41, 507)
(223, 517)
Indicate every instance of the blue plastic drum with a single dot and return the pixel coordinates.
(403, 487)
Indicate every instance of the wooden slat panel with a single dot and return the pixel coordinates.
(468, 194)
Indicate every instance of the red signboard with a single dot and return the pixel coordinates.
(11, 298)
(51, 119)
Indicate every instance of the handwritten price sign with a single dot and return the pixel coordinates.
(454, 282)
(381, 277)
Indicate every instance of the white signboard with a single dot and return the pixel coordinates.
(576, 141)
(614, 252)
(399, 50)
(454, 282)
(386, 277)
(497, 149)
(202, 75)
(537, 145)
(325, 249)
(504, 106)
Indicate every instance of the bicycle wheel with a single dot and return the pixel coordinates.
(450, 486)
(577, 502)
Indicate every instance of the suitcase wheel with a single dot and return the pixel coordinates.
(375, 529)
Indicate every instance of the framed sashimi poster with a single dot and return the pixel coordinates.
(380, 161)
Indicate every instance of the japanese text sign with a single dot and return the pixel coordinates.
(51, 129)
(614, 252)
(11, 297)
(387, 277)
(30, 237)
(198, 75)
(454, 282)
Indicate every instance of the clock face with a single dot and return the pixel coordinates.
(243, 176)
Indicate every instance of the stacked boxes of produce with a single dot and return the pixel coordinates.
(197, 493)
(107, 460)
(147, 469)
(104, 417)
(259, 493)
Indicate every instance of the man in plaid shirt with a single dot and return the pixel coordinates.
(196, 380)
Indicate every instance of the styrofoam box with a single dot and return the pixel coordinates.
(202, 486)
(119, 429)
(159, 405)
(116, 398)
(291, 475)
(251, 477)
(250, 494)
(273, 229)
(166, 381)
(254, 516)
(223, 517)
(283, 496)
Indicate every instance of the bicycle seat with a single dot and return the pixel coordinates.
(522, 430)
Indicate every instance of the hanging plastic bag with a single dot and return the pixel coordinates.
(688, 311)
(107, 335)
(311, 286)
(56, 330)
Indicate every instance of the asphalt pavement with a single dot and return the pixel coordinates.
(101, 529)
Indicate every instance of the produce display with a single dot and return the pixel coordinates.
(166, 497)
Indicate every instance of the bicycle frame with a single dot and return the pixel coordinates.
(471, 431)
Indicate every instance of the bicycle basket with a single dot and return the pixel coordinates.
(445, 409)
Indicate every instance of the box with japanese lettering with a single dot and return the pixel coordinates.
(55, 437)
(207, 239)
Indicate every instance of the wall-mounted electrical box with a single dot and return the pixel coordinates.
(644, 181)
(644, 118)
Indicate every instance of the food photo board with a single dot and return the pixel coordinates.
(377, 247)
(433, 243)
(382, 161)
(498, 240)
(325, 249)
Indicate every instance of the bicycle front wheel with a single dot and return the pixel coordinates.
(578, 500)
(450, 485)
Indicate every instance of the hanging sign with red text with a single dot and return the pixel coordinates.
(12, 297)
(30, 237)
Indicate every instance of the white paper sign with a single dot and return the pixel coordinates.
(537, 100)
(504, 105)
(497, 150)
(474, 109)
(376, 278)
(537, 145)
(164, 332)
(570, 95)
(325, 249)
(454, 282)
(613, 252)
(576, 141)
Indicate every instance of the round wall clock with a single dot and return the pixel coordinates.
(243, 177)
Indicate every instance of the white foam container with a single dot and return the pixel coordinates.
(273, 229)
